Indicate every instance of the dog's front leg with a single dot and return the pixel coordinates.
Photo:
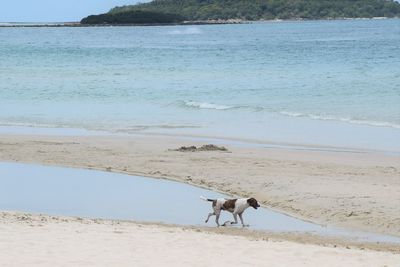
(241, 220)
(209, 215)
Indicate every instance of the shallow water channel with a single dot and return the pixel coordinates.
(98, 194)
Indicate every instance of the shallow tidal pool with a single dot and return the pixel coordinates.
(108, 195)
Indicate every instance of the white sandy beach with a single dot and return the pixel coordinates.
(38, 240)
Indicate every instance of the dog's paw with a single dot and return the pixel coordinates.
(227, 223)
(246, 225)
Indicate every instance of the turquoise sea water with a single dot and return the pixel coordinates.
(331, 83)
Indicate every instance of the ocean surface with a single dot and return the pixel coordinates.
(324, 83)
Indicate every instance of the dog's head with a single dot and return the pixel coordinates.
(253, 203)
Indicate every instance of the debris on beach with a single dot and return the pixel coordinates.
(209, 147)
(186, 149)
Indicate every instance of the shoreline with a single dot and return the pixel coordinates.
(185, 23)
(246, 141)
(278, 177)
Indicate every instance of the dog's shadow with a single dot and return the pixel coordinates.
(231, 224)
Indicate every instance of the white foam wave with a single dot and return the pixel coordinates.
(342, 119)
(205, 105)
(292, 114)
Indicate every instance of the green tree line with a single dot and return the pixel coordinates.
(191, 10)
(133, 17)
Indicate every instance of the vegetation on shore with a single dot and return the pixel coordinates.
(175, 11)
(133, 17)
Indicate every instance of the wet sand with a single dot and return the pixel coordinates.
(354, 189)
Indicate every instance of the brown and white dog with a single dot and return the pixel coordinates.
(234, 206)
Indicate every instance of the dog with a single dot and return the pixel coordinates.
(234, 206)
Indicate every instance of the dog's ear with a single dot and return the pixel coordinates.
(251, 201)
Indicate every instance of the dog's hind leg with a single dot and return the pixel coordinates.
(209, 215)
(217, 218)
(235, 218)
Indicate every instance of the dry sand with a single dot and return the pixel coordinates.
(39, 240)
(355, 189)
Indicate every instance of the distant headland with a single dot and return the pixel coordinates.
(236, 11)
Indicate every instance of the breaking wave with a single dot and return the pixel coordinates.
(205, 105)
(341, 119)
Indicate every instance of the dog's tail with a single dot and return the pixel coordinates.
(206, 199)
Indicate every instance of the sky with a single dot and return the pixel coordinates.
(55, 10)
